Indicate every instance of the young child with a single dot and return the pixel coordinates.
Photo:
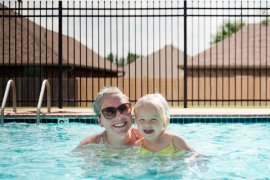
(152, 117)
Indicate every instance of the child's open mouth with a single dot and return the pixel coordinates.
(148, 131)
(119, 125)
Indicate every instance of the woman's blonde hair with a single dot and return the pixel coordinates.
(103, 93)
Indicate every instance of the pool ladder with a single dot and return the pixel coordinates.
(45, 84)
(11, 84)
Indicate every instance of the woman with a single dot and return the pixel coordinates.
(113, 109)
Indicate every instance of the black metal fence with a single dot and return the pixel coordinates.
(195, 53)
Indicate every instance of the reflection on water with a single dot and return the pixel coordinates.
(103, 162)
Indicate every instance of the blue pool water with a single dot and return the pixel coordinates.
(232, 151)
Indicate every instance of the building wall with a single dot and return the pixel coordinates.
(245, 85)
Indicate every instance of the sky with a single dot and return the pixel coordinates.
(145, 35)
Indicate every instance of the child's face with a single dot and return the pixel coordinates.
(150, 121)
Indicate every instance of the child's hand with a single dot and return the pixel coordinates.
(194, 157)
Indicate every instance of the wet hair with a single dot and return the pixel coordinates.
(107, 91)
(158, 101)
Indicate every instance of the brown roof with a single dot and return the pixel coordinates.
(25, 34)
(247, 48)
(168, 58)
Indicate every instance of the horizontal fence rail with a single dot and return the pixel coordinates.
(203, 53)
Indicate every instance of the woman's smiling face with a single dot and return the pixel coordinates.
(150, 121)
(121, 123)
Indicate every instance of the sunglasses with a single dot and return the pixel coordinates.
(110, 112)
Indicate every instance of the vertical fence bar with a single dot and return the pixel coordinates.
(154, 90)
(128, 57)
(52, 62)
(86, 48)
(166, 59)
(46, 35)
(141, 53)
(178, 63)
(172, 98)
(111, 43)
(254, 57)
(40, 37)
(210, 59)
(104, 45)
(21, 66)
(68, 75)
(229, 73)
(60, 56)
(74, 55)
(80, 51)
(159, 46)
(16, 75)
(204, 62)
(222, 94)
(34, 55)
(185, 54)
(3, 47)
(266, 59)
(9, 47)
(199, 60)
(135, 19)
(260, 58)
(248, 59)
(192, 62)
(241, 47)
(123, 42)
(147, 43)
(98, 50)
(217, 99)
(235, 65)
(92, 54)
(28, 57)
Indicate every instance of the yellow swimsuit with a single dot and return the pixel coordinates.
(167, 151)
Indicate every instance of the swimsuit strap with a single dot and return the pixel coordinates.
(133, 131)
(102, 139)
(171, 144)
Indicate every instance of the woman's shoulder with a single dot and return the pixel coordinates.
(94, 139)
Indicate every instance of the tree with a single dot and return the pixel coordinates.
(110, 57)
(131, 57)
(227, 30)
(266, 22)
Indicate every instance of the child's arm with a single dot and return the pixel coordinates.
(180, 144)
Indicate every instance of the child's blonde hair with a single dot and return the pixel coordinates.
(158, 101)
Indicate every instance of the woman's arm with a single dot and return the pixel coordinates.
(94, 139)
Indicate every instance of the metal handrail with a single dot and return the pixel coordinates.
(12, 84)
(45, 84)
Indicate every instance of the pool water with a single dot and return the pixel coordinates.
(232, 151)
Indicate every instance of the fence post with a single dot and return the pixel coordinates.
(185, 54)
(60, 53)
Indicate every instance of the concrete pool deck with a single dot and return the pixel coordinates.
(174, 112)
